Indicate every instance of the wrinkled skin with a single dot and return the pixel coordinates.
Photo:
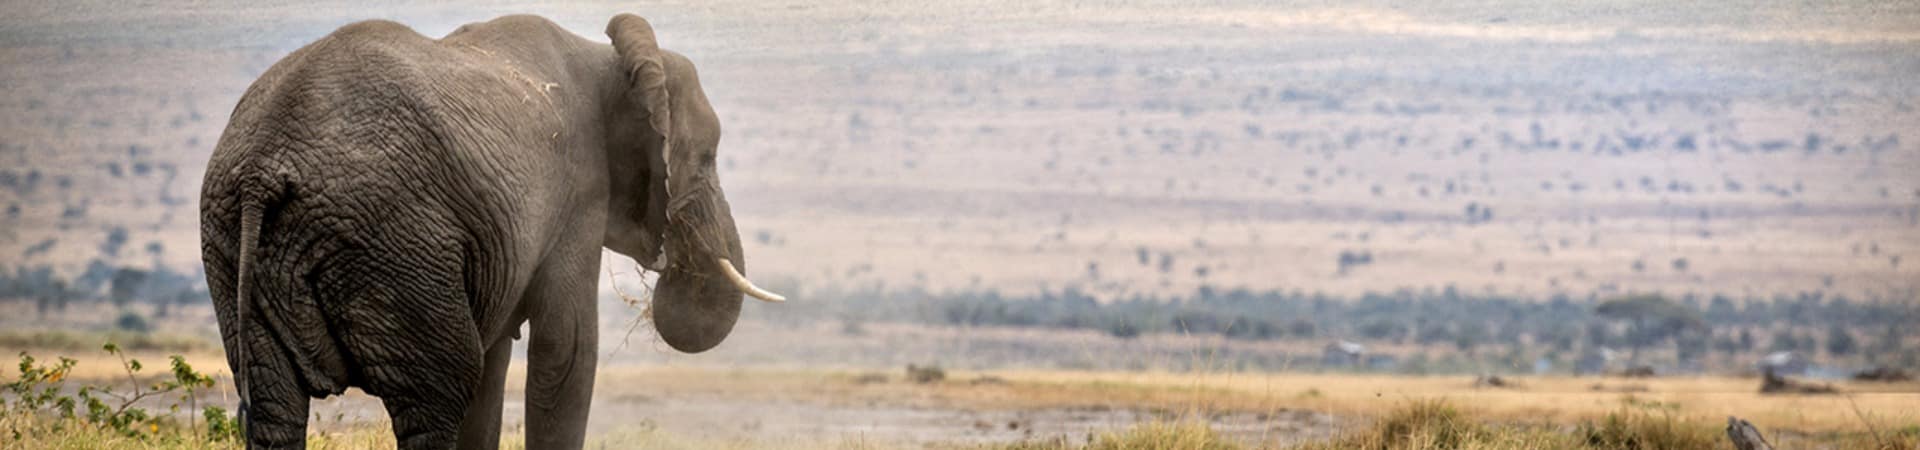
(411, 202)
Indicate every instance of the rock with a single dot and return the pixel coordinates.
(1772, 383)
(1493, 381)
(1638, 372)
(1745, 436)
(1629, 388)
(1883, 374)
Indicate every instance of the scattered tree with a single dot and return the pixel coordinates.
(1650, 319)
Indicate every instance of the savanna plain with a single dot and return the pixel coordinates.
(1130, 224)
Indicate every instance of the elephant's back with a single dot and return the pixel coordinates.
(352, 139)
(367, 109)
(377, 102)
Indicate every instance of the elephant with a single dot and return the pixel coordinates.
(385, 211)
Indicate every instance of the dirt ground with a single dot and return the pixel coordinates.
(761, 407)
(722, 419)
(734, 410)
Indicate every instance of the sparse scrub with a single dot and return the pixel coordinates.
(1420, 424)
(1184, 435)
(925, 374)
(1900, 439)
(38, 410)
(133, 322)
(1164, 435)
(1643, 429)
(1436, 424)
(1476, 329)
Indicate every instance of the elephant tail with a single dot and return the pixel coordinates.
(250, 216)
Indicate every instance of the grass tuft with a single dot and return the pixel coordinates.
(1419, 424)
(1435, 424)
(1642, 430)
(1164, 435)
(1906, 438)
(1184, 435)
(1429, 423)
(26, 431)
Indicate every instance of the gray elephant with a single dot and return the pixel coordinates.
(384, 211)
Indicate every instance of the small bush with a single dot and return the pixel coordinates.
(1431, 423)
(1151, 435)
(1900, 439)
(1436, 424)
(43, 412)
(1636, 430)
(1164, 435)
(133, 322)
(925, 374)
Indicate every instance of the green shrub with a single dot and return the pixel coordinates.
(42, 412)
(133, 322)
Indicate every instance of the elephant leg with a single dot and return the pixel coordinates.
(560, 351)
(421, 354)
(427, 413)
(481, 428)
(277, 406)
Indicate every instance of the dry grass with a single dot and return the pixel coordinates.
(1545, 399)
(642, 438)
(1633, 429)
(1433, 424)
(1429, 424)
(1186, 435)
(1682, 410)
(1555, 399)
(97, 367)
(86, 341)
(1551, 399)
(1422, 411)
(32, 433)
(1438, 424)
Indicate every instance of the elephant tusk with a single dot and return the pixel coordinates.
(746, 286)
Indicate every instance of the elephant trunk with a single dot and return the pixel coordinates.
(696, 302)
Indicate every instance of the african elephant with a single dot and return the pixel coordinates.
(385, 210)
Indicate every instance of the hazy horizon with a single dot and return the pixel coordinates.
(1294, 215)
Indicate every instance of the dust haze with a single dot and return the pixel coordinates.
(1118, 187)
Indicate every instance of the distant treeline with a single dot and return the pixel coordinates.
(1684, 331)
(101, 281)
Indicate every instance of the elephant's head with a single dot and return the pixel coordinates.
(669, 212)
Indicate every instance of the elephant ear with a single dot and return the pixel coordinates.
(640, 53)
(641, 60)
